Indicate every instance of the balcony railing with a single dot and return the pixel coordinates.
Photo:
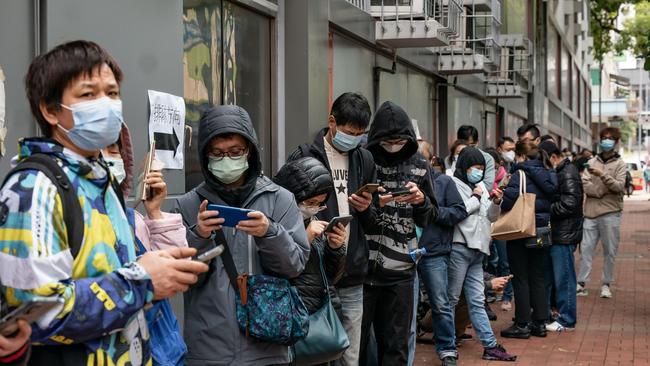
(361, 4)
(416, 23)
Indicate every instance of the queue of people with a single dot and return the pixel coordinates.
(324, 261)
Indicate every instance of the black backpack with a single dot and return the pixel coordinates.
(72, 212)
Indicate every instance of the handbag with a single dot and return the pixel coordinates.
(327, 339)
(519, 222)
(269, 309)
(541, 240)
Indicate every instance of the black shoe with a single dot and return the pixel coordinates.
(449, 361)
(515, 331)
(466, 336)
(490, 314)
(538, 330)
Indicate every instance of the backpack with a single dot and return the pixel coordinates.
(628, 179)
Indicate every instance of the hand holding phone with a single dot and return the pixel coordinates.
(29, 311)
(209, 255)
(344, 220)
(370, 188)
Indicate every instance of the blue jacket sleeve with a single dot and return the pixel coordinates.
(511, 193)
(453, 210)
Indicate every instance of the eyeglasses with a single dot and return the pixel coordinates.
(234, 153)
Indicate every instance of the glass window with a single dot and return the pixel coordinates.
(516, 17)
(566, 77)
(552, 62)
(226, 60)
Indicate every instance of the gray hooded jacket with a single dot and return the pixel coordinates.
(211, 331)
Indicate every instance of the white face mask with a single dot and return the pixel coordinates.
(391, 148)
(309, 211)
(116, 167)
(508, 156)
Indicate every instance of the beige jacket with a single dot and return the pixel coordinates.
(604, 193)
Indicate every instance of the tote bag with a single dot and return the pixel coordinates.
(326, 340)
(519, 222)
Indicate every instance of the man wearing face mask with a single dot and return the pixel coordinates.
(388, 291)
(272, 241)
(604, 185)
(74, 94)
(506, 148)
(338, 148)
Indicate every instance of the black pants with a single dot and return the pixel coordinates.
(389, 310)
(528, 266)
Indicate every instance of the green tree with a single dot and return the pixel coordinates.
(632, 36)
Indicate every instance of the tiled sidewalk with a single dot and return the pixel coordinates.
(609, 331)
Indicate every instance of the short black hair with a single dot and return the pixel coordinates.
(550, 147)
(351, 108)
(547, 138)
(50, 73)
(566, 149)
(467, 131)
(494, 154)
(529, 127)
(613, 132)
(505, 139)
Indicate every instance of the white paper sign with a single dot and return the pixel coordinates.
(167, 127)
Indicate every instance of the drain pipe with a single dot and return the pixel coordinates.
(376, 78)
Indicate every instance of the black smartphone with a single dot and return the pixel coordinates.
(400, 192)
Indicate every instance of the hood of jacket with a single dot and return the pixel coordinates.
(227, 119)
(469, 157)
(305, 178)
(391, 122)
(538, 173)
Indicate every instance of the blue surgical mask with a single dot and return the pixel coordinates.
(97, 123)
(344, 142)
(607, 144)
(475, 175)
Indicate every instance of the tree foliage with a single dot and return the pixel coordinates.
(633, 35)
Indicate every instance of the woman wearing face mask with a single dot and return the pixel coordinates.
(311, 184)
(471, 243)
(528, 265)
(454, 151)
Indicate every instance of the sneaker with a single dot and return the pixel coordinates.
(497, 353)
(605, 292)
(506, 305)
(581, 290)
(449, 361)
(557, 327)
(538, 330)
(515, 331)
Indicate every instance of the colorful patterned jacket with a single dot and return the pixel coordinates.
(105, 291)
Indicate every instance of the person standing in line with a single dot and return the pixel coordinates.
(454, 151)
(506, 147)
(646, 178)
(529, 132)
(528, 264)
(437, 240)
(337, 146)
(471, 244)
(566, 230)
(388, 290)
(604, 185)
(470, 134)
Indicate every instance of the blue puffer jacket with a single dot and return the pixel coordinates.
(438, 236)
(539, 180)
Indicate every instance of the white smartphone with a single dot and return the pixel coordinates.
(209, 255)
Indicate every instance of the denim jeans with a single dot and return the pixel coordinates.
(352, 310)
(561, 274)
(607, 228)
(503, 268)
(434, 275)
(413, 332)
(466, 274)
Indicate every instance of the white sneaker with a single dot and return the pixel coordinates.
(605, 292)
(581, 291)
(557, 327)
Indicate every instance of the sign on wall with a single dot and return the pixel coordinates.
(167, 127)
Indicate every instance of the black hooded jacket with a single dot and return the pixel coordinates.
(391, 236)
(361, 172)
(566, 208)
(307, 178)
